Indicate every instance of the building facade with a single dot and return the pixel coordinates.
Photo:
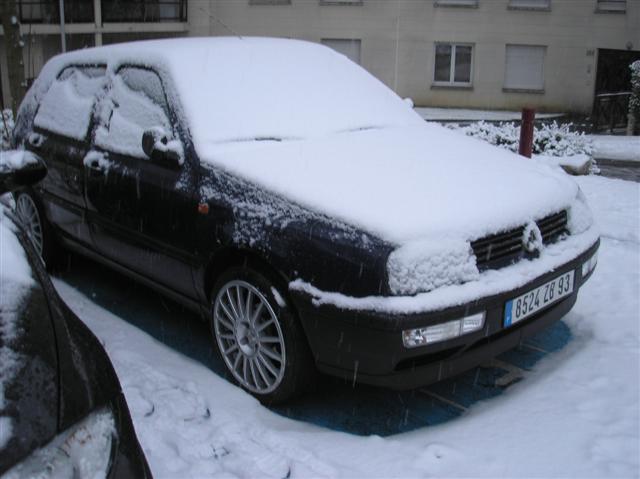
(554, 55)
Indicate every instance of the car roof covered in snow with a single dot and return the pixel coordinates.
(241, 89)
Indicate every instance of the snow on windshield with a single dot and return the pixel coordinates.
(279, 89)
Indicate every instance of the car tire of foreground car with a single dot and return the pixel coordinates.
(259, 337)
(33, 219)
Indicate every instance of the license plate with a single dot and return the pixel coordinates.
(530, 303)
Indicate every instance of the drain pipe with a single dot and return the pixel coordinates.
(63, 37)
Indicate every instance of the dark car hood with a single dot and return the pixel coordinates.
(402, 184)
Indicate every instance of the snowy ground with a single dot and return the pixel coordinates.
(574, 414)
(616, 147)
(462, 114)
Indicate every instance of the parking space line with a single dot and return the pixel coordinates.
(444, 400)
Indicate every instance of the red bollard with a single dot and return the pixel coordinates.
(526, 132)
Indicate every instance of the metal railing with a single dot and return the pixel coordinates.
(120, 11)
(144, 11)
(48, 11)
(610, 111)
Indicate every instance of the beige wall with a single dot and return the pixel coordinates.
(398, 38)
(398, 42)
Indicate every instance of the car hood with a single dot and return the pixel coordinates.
(403, 184)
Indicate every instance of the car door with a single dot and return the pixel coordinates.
(141, 212)
(60, 136)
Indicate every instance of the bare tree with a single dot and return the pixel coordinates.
(13, 46)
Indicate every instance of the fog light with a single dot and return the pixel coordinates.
(589, 265)
(413, 338)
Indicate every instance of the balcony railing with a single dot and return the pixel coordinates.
(610, 111)
(144, 11)
(48, 11)
(120, 11)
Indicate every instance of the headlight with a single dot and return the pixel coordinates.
(580, 216)
(412, 338)
(83, 450)
(426, 265)
(589, 265)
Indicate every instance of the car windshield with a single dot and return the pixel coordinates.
(257, 89)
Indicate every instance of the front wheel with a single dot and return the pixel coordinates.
(258, 337)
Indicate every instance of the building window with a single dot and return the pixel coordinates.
(269, 2)
(453, 64)
(350, 48)
(341, 2)
(456, 3)
(524, 68)
(530, 4)
(611, 6)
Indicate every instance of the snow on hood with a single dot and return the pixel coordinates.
(404, 184)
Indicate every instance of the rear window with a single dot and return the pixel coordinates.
(67, 106)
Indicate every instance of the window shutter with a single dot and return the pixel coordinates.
(524, 68)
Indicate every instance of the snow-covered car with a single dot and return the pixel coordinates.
(302, 208)
(62, 412)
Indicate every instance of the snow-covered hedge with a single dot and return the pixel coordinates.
(6, 128)
(549, 139)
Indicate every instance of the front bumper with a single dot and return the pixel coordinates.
(366, 346)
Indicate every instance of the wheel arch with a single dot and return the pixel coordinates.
(232, 256)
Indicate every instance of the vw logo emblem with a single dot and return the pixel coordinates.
(532, 238)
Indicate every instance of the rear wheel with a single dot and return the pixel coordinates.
(258, 336)
(36, 227)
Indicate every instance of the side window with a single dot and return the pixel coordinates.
(136, 103)
(67, 106)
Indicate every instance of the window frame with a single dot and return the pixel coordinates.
(269, 2)
(536, 8)
(605, 6)
(341, 3)
(452, 66)
(456, 3)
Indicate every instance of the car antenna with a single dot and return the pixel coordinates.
(221, 23)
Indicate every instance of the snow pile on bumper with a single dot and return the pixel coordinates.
(427, 265)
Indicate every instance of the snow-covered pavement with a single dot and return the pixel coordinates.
(616, 147)
(575, 414)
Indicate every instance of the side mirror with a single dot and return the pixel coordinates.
(20, 168)
(157, 146)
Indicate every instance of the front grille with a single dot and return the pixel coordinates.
(499, 250)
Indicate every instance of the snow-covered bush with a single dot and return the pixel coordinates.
(634, 101)
(549, 139)
(6, 128)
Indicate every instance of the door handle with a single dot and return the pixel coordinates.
(96, 161)
(94, 165)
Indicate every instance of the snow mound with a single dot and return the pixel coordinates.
(427, 265)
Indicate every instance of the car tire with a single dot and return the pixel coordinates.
(264, 350)
(31, 215)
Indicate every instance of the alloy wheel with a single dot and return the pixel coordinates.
(29, 216)
(249, 337)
